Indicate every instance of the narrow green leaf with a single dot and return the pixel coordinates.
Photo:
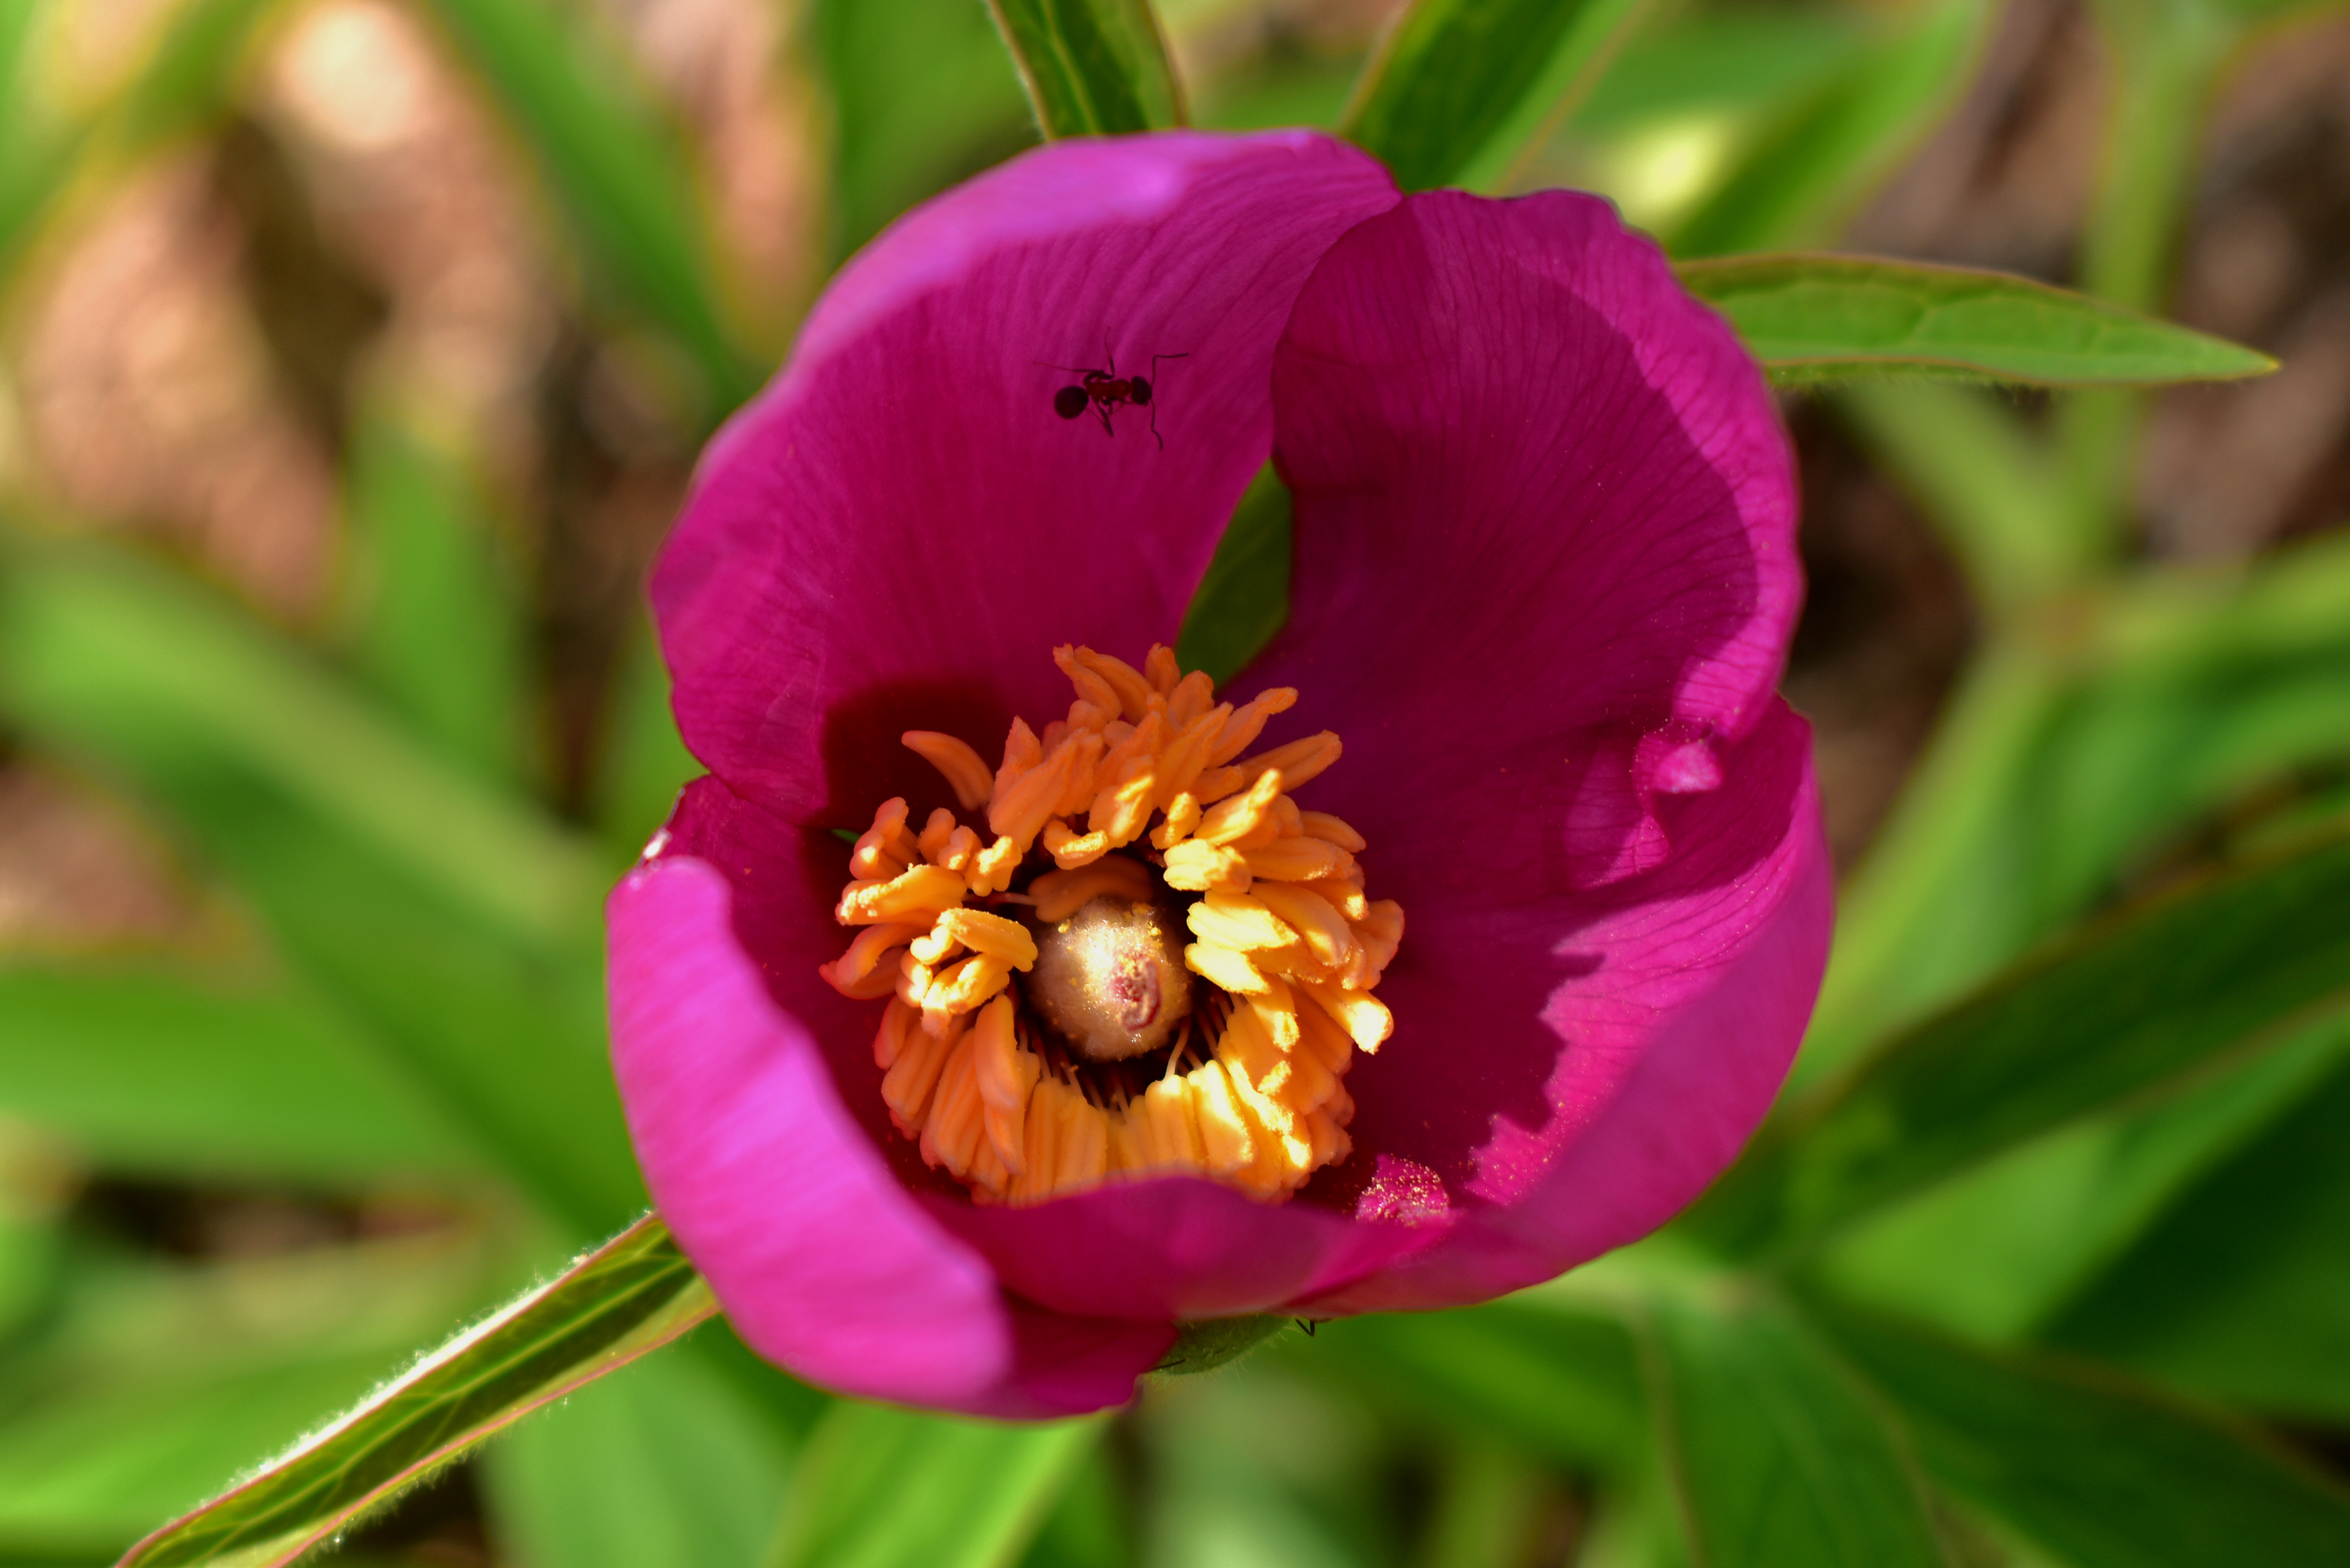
(1813, 316)
(153, 1071)
(883, 1487)
(1564, 1384)
(1794, 182)
(662, 1465)
(1986, 482)
(1458, 83)
(1243, 600)
(438, 629)
(2238, 1292)
(2100, 1020)
(1782, 1456)
(185, 80)
(645, 762)
(633, 1294)
(144, 1388)
(1088, 1526)
(1092, 67)
(2057, 769)
(509, 1042)
(1720, 61)
(1993, 1254)
(2104, 1474)
(90, 639)
(621, 176)
(920, 99)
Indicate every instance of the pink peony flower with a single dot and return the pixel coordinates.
(1566, 840)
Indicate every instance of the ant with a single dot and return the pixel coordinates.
(1105, 390)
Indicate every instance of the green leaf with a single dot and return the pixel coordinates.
(505, 1031)
(2238, 1292)
(1716, 61)
(633, 1294)
(883, 1487)
(662, 1465)
(1092, 67)
(1088, 1527)
(2104, 1474)
(1989, 486)
(2080, 741)
(439, 630)
(1243, 600)
(146, 1387)
(1815, 317)
(1794, 180)
(2115, 1014)
(1991, 1254)
(645, 763)
(1463, 83)
(1563, 1383)
(619, 173)
(510, 1043)
(919, 98)
(92, 641)
(151, 1071)
(185, 80)
(1782, 1458)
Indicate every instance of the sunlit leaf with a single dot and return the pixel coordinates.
(2114, 1014)
(1454, 78)
(510, 1043)
(145, 1069)
(1993, 1254)
(1791, 181)
(2238, 1292)
(437, 627)
(1781, 1457)
(631, 1295)
(920, 98)
(146, 1387)
(2104, 1474)
(622, 180)
(91, 638)
(2051, 778)
(185, 80)
(883, 1487)
(662, 1465)
(1815, 317)
(1092, 67)
(1709, 62)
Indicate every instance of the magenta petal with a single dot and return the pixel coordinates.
(1525, 459)
(900, 528)
(1179, 1248)
(822, 1259)
(1671, 1021)
(1545, 579)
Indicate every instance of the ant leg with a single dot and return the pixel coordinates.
(1154, 423)
(1103, 409)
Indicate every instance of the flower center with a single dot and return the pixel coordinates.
(1122, 1049)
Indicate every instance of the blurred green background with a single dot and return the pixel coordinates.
(353, 355)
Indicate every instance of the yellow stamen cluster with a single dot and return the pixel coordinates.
(1280, 925)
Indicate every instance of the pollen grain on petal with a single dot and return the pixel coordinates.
(1046, 1028)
